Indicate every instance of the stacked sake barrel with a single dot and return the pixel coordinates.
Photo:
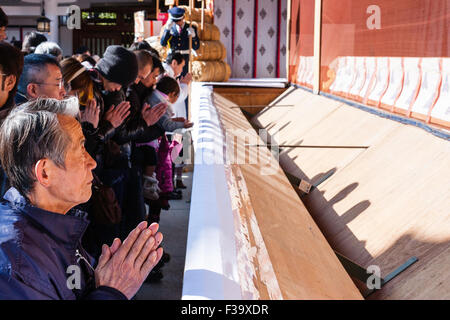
(209, 64)
(196, 14)
(156, 44)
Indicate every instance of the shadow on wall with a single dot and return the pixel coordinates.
(428, 278)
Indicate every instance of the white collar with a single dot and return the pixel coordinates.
(169, 70)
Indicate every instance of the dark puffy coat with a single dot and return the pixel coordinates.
(4, 111)
(36, 249)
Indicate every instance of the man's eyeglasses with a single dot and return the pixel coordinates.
(60, 85)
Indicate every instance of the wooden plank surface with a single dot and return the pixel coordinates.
(390, 204)
(272, 115)
(384, 204)
(304, 263)
(345, 126)
(249, 96)
(284, 124)
(424, 281)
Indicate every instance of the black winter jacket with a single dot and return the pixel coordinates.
(4, 111)
(38, 254)
(134, 128)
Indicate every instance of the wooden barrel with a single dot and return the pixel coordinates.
(161, 50)
(196, 14)
(202, 52)
(210, 31)
(215, 32)
(216, 50)
(205, 71)
(210, 50)
(228, 74)
(224, 54)
(220, 71)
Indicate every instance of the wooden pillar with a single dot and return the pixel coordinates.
(191, 4)
(203, 15)
(288, 38)
(317, 45)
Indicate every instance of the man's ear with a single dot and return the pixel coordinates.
(32, 90)
(10, 82)
(41, 171)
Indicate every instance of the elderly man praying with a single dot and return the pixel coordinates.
(41, 256)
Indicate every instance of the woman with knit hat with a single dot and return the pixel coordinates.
(98, 128)
(112, 75)
(98, 125)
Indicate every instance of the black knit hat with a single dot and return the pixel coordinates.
(118, 65)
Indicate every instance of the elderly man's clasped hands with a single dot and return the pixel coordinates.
(125, 266)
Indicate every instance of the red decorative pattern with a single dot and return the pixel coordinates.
(250, 31)
(233, 20)
(278, 38)
(255, 42)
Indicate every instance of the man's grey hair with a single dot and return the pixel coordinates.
(32, 132)
(49, 47)
(68, 107)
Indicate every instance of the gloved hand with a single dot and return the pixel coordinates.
(191, 32)
(170, 23)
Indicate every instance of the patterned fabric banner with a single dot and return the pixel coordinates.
(254, 34)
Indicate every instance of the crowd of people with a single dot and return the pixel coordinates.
(92, 139)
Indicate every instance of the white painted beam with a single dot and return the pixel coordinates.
(40, 1)
(34, 11)
(317, 45)
(210, 270)
(22, 10)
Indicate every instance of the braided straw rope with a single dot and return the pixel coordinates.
(208, 65)
(211, 50)
(196, 14)
(205, 71)
(210, 31)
